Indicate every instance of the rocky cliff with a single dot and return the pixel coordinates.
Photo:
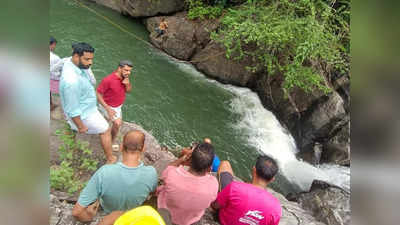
(314, 119)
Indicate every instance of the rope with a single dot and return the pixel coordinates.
(112, 23)
(135, 36)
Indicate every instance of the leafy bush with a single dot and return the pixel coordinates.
(75, 162)
(198, 9)
(301, 39)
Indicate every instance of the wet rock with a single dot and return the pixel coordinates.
(323, 120)
(337, 149)
(342, 85)
(61, 213)
(313, 155)
(336, 153)
(144, 8)
(329, 204)
(212, 61)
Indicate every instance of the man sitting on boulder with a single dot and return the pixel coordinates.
(120, 186)
(241, 203)
(186, 194)
(162, 28)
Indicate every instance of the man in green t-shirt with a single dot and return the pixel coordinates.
(120, 186)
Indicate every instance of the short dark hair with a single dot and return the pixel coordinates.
(266, 167)
(52, 40)
(123, 63)
(202, 157)
(80, 48)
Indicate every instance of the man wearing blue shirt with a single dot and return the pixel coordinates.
(121, 186)
(78, 98)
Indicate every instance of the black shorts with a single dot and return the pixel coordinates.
(225, 178)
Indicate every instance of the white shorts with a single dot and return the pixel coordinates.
(118, 113)
(95, 123)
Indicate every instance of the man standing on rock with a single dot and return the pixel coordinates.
(241, 203)
(78, 98)
(118, 187)
(111, 94)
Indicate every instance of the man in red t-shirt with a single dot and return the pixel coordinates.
(111, 94)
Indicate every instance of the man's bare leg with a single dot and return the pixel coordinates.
(225, 166)
(52, 105)
(116, 124)
(111, 218)
(105, 139)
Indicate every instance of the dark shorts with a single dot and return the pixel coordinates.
(225, 178)
(159, 31)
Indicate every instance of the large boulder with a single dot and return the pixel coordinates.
(289, 107)
(212, 61)
(322, 121)
(329, 204)
(337, 149)
(145, 8)
(183, 37)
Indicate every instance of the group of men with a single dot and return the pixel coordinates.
(73, 79)
(185, 191)
(188, 188)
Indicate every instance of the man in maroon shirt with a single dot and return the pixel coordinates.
(111, 94)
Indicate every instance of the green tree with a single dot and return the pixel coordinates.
(301, 39)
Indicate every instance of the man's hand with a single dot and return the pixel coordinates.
(92, 209)
(125, 81)
(111, 113)
(82, 129)
(186, 156)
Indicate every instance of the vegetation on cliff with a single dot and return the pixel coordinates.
(76, 165)
(305, 40)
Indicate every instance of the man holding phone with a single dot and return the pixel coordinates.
(111, 94)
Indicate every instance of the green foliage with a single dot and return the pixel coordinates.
(198, 9)
(75, 161)
(301, 39)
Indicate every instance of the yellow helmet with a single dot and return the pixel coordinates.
(142, 215)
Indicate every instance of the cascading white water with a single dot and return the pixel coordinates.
(268, 136)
